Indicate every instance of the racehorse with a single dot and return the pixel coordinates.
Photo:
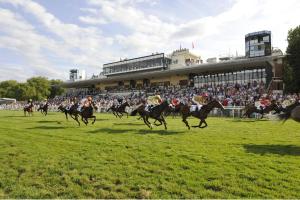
(116, 110)
(43, 109)
(201, 114)
(28, 109)
(88, 112)
(291, 111)
(173, 110)
(155, 113)
(73, 112)
(250, 109)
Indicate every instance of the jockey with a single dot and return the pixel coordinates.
(85, 103)
(29, 103)
(264, 102)
(69, 106)
(45, 102)
(175, 102)
(120, 101)
(153, 101)
(200, 100)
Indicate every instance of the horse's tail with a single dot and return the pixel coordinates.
(134, 112)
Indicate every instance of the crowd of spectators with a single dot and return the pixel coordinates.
(230, 94)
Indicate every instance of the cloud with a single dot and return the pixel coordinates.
(72, 44)
(51, 46)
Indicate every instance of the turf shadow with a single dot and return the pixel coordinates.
(273, 149)
(160, 132)
(243, 120)
(128, 124)
(16, 116)
(120, 131)
(44, 121)
(47, 127)
(111, 131)
(101, 120)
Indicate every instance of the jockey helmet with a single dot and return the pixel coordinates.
(205, 94)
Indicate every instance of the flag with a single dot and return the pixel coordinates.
(193, 45)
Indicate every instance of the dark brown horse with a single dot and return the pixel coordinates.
(88, 112)
(201, 114)
(72, 112)
(250, 109)
(154, 113)
(173, 110)
(291, 111)
(43, 109)
(119, 110)
(29, 109)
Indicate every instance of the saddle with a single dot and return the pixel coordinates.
(149, 108)
(195, 108)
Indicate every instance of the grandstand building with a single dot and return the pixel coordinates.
(184, 69)
(267, 69)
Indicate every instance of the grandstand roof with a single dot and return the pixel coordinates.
(246, 63)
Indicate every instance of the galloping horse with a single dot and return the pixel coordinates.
(73, 112)
(253, 109)
(28, 109)
(155, 113)
(88, 112)
(201, 114)
(116, 110)
(173, 110)
(291, 111)
(43, 109)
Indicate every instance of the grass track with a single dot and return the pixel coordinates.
(48, 157)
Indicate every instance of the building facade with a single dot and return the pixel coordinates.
(258, 44)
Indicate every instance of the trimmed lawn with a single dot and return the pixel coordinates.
(49, 157)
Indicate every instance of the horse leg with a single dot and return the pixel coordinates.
(66, 116)
(94, 119)
(205, 124)
(164, 121)
(84, 120)
(121, 115)
(115, 114)
(199, 126)
(159, 120)
(147, 119)
(186, 122)
(147, 123)
(76, 119)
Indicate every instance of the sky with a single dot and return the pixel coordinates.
(50, 37)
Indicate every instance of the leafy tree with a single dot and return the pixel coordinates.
(292, 69)
(8, 88)
(36, 88)
(41, 85)
(56, 88)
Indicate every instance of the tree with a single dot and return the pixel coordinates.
(41, 86)
(8, 88)
(36, 88)
(56, 88)
(292, 71)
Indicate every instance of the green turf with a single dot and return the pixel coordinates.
(48, 157)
